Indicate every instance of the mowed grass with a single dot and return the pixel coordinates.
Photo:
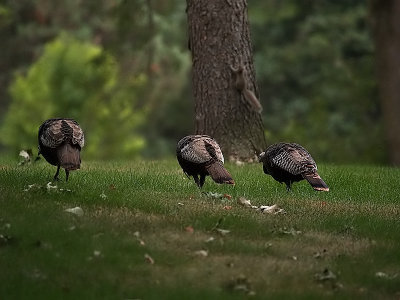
(146, 229)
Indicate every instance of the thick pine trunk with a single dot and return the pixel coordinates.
(385, 16)
(219, 40)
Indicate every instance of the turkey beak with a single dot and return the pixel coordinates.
(261, 156)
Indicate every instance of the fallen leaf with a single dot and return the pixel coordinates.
(112, 187)
(319, 254)
(202, 253)
(273, 209)
(325, 275)
(76, 211)
(149, 259)
(96, 253)
(180, 204)
(103, 196)
(385, 275)
(189, 229)
(245, 202)
(222, 231)
(227, 196)
(227, 207)
(24, 154)
(210, 239)
(50, 187)
(290, 231)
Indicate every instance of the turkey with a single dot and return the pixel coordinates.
(60, 143)
(200, 155)
(290, 162)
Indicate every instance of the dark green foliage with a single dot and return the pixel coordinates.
(315, 68)
(314, 62)
(74, 79)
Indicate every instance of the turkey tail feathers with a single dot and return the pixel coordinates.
(316, 182)
(219, 174)
(69, 157)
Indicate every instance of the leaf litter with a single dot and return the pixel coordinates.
(76, 211)
(49, 187)
(265, 209)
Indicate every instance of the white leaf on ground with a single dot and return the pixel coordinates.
(325, 275)
(245, 202)
(385, 275)
(103, 196)
(214, 195)
(266, 209)
(210, 239)
(96, 253)
(222, 231)
(76, 211)
(32, 187)
(149, 259)
(202, 253)
(50, 187)
(290, 231)
(273, 209)
(24, 154)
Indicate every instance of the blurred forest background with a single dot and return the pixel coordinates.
(121, 68)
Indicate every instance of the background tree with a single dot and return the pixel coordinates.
(385, 16)
(314, 61)
(219, 40)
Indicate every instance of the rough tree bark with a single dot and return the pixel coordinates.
(385, 17)
(219, 40)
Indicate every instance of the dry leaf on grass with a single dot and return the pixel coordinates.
(149, 259)
(48, 187)
(213, 195)
(273, 209)
(201, 253)
(76, 211)
(26, 155)
(265, 209)
(246, 203)
(210, 239)
(325, 275)
(385, 275)
(189, 229)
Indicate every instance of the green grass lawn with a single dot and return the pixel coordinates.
(146, 230)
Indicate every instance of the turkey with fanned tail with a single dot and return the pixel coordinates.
(199, 156)
(60, 143)
(290, 162)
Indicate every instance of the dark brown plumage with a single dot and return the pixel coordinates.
(199, 156)
(290, 162)
(60, 143)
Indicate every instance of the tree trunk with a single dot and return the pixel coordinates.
(219, 40)
(385, 17)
